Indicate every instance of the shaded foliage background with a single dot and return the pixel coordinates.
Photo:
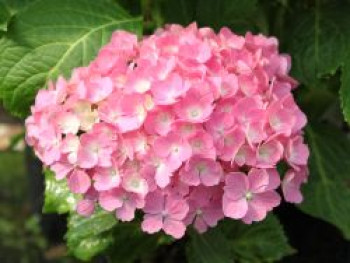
(41, 39)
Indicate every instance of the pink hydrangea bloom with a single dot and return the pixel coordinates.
(185, 125)
(204, 208)
(159, 121)
(94, 150)
(79, 182)
(296, 153)
(173, 148)
(165, 211)
(250, 197)
(106, 178)
(291, 184)
(126, 111)
(201, 171)
(123, 202)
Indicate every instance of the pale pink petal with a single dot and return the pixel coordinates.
(203, 145)
(68, 123)
(267, 200)
(86, 207)
(258, 180)
(274, 179)
(230, 143)
(135, 183)
(297, 153)
(260, 205)
(245, 155)
(162, 176)
(110, 200)
(255, 132)
(177, 208)
(282, 121)
(168, 91)
(79, 182)
(106, 178)
(254, 214)
(152, 223)
(248, 84)
(211, 215)
(98, 88)
(236, 186)
(126, 212)
(61, 169)
(154, 203)
(174, 228)
(197, 106)
(235, 209)
(269, 153)
(291, 184)
(190, 176)
(86, 158)
(159, 122)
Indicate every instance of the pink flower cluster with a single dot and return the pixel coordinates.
(186, 125)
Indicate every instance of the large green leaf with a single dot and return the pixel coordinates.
(345, 89)
(58, 198)
(4, 16)
(232, 240)
(8, 8)
(131, 244)
(86, 237)
(56, 38)
(210, 247)
(327, 193)
(261, 242)
(318, 42)
(13, 6)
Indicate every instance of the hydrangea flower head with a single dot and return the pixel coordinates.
(186, 126)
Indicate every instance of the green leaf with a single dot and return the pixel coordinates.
(13, 6)
(327, 193)
(8, 8)
(86, 237)
(132, 6)
(345, 89)
(318, 42)
(4, 16)
(210, 247)
(232, 240)
(131, 244)
(239, 15)
(52, 39)
(260, 242)
(10, 54)
(89, 247)
(179, 11)
(58, 198)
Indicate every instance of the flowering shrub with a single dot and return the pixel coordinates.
(186, 125)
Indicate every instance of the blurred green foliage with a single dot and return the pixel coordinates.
(21, 239)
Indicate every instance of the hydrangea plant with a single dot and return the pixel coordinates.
(185, 125)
